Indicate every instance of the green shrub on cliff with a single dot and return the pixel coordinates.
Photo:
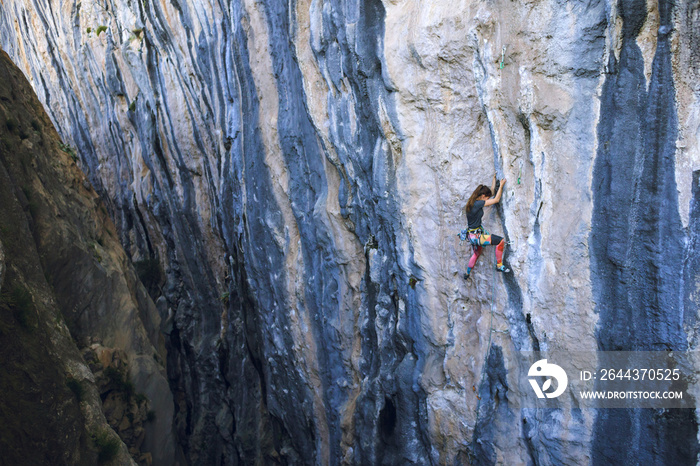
(119, 381)
(107, 446)
(24, 307)
(19, 300)
(11, 124)
(68, 150)
(76, 387)
(32, 203)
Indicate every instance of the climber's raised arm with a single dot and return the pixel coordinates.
(497, 199)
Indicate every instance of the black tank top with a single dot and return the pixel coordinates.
(474, 215)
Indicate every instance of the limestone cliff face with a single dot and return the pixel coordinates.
(299, 170)
(66, 282)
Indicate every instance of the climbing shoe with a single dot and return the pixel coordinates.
(502, 268)
(465, 276)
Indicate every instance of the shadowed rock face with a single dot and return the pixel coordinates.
(637, 270)
(298, 171)
(65, 282)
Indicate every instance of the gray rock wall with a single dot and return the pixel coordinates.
(637, 272)
(299, 171)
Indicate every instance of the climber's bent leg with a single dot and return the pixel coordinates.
(476, 252)
(475, 256)
(500, 247)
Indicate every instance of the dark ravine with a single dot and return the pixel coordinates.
(637, 257)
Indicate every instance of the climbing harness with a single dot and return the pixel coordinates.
(475, 234)
(465, 234)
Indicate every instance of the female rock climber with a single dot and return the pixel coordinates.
(478, 237)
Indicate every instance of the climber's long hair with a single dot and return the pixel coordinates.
(479, 191)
